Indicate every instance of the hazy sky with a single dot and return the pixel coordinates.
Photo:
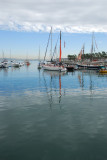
(30, 17)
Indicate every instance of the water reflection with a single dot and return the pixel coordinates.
(56, 85)
(15, 69)
(85, 77)
(53, 85)
(4, 71)
(27, 67)
(29, 127)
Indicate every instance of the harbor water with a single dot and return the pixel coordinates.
(52, 116)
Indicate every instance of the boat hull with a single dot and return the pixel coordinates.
(54, 68)
(94, 67)
(70, 68)
(4, 65)
(103, 71)
(17, 65)
(39, 67)
(89, 67)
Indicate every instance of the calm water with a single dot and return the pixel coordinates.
(52, 116)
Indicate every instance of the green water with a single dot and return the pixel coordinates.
(52, 116)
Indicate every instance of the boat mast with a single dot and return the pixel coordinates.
(92, 47)
(3, 54)
(95, 43)
(60, 48)
(39, 53)
(27, 55)
(83, 51)
(92, 43)
(55, 49)
(47, 46)
(51, 43)
(10, 54)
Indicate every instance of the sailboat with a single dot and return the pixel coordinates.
(91, 65)
(27, 61)
(15, 64)
(81, 65)
(4, 63)
(55, 66)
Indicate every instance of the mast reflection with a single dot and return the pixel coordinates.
(5, 71)
(53, 86)
(86, 80)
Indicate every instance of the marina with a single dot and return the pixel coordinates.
(53, 80)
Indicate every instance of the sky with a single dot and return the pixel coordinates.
(25, 25)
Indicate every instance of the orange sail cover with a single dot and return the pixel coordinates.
(60, 48)
(81, 52)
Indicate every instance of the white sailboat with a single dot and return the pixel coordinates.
(15, 64)
(4, 63)
(55, 66)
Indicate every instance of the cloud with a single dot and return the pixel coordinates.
(67, 15)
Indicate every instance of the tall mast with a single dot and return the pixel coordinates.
(83, 50)
(3, 54)
(51, 42)
(92, 43)
(47, 45)
(27, 56)
(92, 47)
(39, 53)
(10, 54)
(60, 48)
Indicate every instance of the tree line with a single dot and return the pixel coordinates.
(90, 56)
